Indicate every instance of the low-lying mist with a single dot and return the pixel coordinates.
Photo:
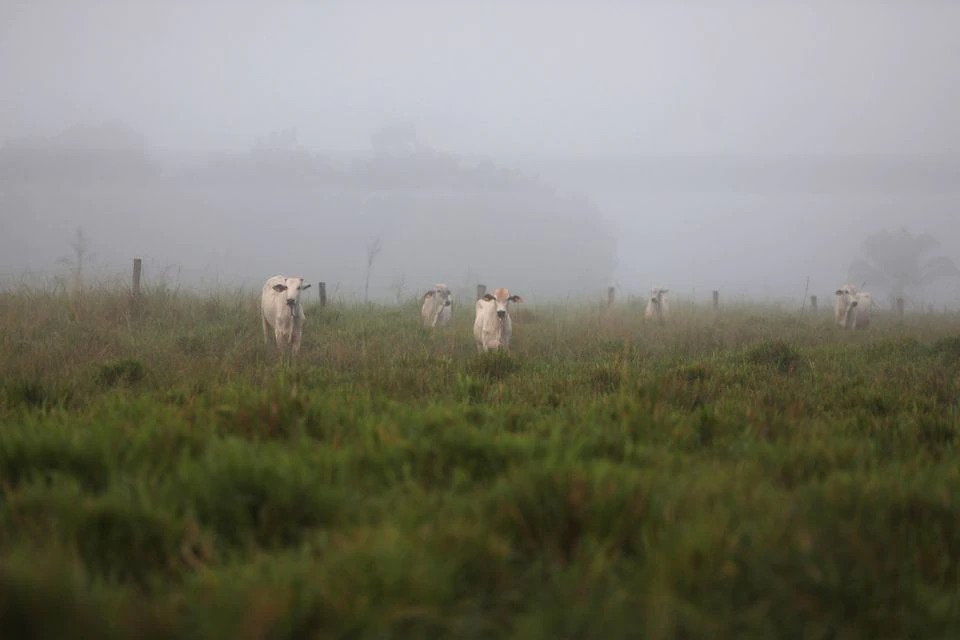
(386, 223)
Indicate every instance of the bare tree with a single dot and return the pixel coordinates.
(898, 262)
(373, 250)
(80, 248)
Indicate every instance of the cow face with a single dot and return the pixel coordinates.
(656, 295)
(441, 293)
(291, 287)
(501, 297)
(846, 290)
(846, 296)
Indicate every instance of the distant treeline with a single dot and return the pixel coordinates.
(762, 173)
(124, 157)
(439, 216)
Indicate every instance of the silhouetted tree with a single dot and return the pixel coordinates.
(80, 248)
(373, 250)
(897, 261)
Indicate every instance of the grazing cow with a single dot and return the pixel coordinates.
(492, 328)
(853, 307)
(437, 306)
(657, 306)
(280, 308)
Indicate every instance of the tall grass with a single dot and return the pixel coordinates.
(753, 473)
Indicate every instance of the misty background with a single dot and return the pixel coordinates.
(554, 147)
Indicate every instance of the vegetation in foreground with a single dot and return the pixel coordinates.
(757, 473)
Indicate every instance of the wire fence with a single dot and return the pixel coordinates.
(160, 273)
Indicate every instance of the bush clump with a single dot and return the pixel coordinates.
(493, 365)
(776, 354)
(27, 393)
(117, 372)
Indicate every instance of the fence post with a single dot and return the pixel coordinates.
(716, 300)
(900, 307)
(322, 292)
(813, 303)
(481, 290)
(611, 296)
(137, 270)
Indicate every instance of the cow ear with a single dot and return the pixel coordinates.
(516, 299)
(428, 294)
(488, 297)
(839, 293)
(279, 288)
(306, 286)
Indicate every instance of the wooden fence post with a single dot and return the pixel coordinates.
(716, 300)
(137, 270)
(813, 303)
(900, 307)
(481, 290)
(611, 296)
(322, 292)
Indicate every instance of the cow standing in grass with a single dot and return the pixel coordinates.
(437, 306)
(492, 328)
(280, 308)
(853, 307)
(657, 306)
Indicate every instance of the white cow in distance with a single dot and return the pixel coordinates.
(492, 328)
(657, 305)
(280, 308)
(853, 307)
(437, 306)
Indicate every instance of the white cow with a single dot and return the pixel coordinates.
(437, 306)
(280, 308)
(657, 305)
(492, 328)
(853, 307)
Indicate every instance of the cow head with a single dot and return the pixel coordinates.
(656, 295)
(441, 293)
(291, 287)
(501, 297)
(847, 300)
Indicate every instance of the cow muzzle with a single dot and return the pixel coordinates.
(501, 314)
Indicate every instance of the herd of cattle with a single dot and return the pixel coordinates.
(281, 310)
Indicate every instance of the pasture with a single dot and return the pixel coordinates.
(754, 473)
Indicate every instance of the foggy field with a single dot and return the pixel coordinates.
(757, 473)
(751, 472)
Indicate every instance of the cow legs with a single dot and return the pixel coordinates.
(283, 339)
(295, 341)
(266, 330)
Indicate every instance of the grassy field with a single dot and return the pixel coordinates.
(757, 473)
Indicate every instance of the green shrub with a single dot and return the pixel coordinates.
(250, 496)
(32, 452)
(127, 371)
(493, 365)
(45, 596)
(30, 394)
(775, 354)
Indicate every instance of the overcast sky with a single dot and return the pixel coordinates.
(494, 77)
